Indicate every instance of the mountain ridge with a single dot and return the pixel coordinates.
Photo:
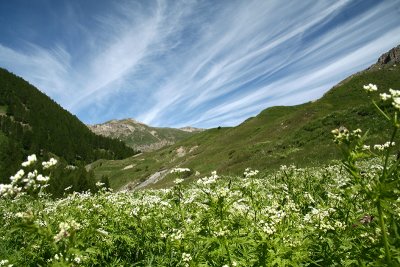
(140, 136)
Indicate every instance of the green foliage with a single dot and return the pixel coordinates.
(3, 110)
(381, 188)
(105, 181)
(36, 124)
(74, 179)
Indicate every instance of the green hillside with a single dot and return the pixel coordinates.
(298, 135)
(31, 122)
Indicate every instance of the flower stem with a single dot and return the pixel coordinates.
(384, 233)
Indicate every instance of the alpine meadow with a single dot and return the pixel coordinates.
(312, 182)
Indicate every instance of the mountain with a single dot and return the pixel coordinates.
(191, 129)
(280, 135)
(31, 122)
(140, 136)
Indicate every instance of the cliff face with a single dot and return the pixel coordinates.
(390, 57)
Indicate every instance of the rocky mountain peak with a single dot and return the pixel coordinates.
(141, 136)
(191, 129)
(390, 57)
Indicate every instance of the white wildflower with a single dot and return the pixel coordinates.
(180, 170)
(222, 191)
(17, 176)
(5, 189)
(65, 229)
(163, 235)
(222, 232)
(384, 146)
(370, 87)
(32, 175)
(100, 184)
(396, 102)
(366, 147)
(42, 178)
(68, 188)
(208, 180)
(178, 181)
(385, 96)
(31, 159)
(250, 173)
(49, 164)
(186, 257)
(177, 235)
(394, 93)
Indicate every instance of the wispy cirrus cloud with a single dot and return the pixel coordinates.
(202, 63)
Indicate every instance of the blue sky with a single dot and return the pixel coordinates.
(200, 63)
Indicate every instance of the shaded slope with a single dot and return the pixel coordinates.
(33, 123)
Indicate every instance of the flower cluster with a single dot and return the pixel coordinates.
(178, 181)
(66, 228)
(30, 160)
(394, 95)
(176, 235)
(180, 170)
(208, 180)
(22, 182)
(384, 146)
(5, 263)
(49, 164)
(250, 173)
(370, 87)
(98, 184)
(186, 257)
(343, 135)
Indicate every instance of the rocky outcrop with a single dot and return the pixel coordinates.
(387, 60)
(191, 129)
(118, 128)
(140, 136)
(391, 57)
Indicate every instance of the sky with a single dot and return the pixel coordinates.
(191, 63)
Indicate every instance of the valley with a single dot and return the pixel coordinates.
(277, 136)
(200, 133)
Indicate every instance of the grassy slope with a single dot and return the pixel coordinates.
(278, 135)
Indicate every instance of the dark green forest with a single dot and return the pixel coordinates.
(32, 123)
